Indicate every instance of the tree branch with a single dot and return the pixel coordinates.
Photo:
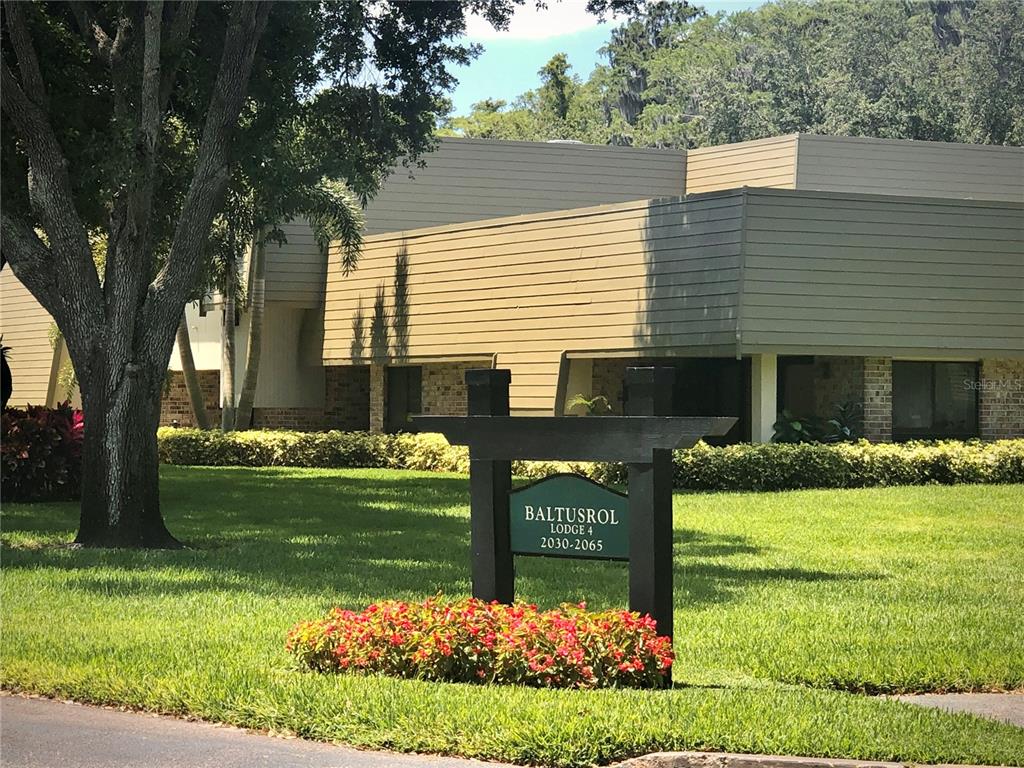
(177, 37)
(33, 264)
(94, 35)
(28, 64)
(49, 189)
(170, 289)
(25, 250)
(124, 25)
(99, 42)
(130, 255)
(149, 123)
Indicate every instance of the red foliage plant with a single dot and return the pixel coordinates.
(470, 641)
(41, 453)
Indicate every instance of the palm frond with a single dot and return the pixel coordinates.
(335, 214)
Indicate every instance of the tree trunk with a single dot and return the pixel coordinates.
(120, 465)
(227, 354)
(257, 303)
(188, 373)
(120, 333)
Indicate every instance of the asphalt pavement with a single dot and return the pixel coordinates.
(41, 733)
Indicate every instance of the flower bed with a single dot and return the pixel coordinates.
(470, 641)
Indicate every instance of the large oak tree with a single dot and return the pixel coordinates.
(130, 118)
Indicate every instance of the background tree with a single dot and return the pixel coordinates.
(538, 115)
(946, 70)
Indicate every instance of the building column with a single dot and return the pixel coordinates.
(764, 383)
(878, 399)
(377, 395)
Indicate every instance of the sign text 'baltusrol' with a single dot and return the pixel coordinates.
(569, 516)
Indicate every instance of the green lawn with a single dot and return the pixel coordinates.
(786, 605)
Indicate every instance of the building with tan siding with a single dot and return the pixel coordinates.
(796, 273)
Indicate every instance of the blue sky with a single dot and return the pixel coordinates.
(508, 66)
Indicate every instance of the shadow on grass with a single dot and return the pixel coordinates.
(347, 538)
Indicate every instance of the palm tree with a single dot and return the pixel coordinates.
(191, 377)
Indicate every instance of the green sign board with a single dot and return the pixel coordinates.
(569, 516)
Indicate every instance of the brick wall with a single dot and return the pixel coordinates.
(176, 407)
(878, 398)
(347, 397)
(346, 406)
(444, 388)
(301, 419)
(1001, 399)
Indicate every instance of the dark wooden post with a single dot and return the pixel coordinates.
(649, 393)
(489, 485)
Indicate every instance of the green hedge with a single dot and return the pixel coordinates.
(770, 467)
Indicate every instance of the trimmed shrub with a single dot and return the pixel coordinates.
(470, 641)
(766, 467)
(41, 450)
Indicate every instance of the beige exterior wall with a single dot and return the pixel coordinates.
(743, 272)
(915, 168)
(25, 326)
(834, 273)
(862, 165)
(287, 379)
(762, 163)
(645, 276)
(295, 269)
(475, 179)
(204, 337)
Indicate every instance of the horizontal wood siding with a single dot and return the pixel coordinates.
(830, 272)
(761, 163)
(295, 269)
(475, 179)
(643, 275)
(25, 326)
(916, 168)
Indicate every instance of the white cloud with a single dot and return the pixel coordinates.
(529, 23)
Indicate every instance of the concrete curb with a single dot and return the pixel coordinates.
(732, 760)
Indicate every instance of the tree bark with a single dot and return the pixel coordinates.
(227, 354)
(257, 304)
(188, 373)
(120, 465)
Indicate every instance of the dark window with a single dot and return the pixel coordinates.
(404, 397)
(796, 384)
(932, 400)
(711, 386)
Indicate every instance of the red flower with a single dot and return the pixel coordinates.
(470, 641)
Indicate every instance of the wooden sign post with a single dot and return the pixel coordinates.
(567, 515)
(649, 393)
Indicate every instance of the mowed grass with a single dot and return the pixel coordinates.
(787, 605)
